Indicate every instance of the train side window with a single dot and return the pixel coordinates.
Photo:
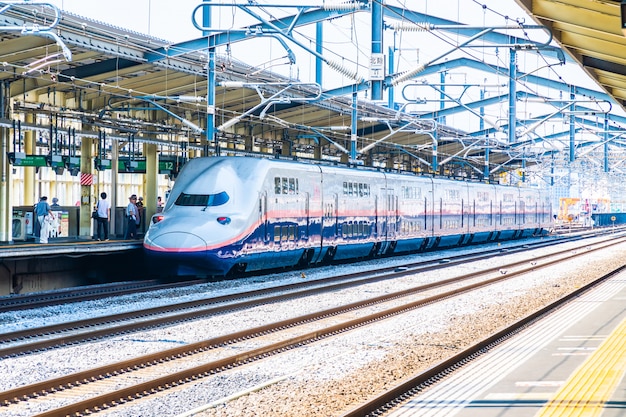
(453, 194)
(350, 189)
(285, 186)
(366, 190)
(292, 185)
(361, 189)
(297, 187)
(292, 232)
(345, 188)
(276, 233)
(277, 187)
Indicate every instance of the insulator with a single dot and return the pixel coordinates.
(408, 75)
(330, 6)
(412, 27)
(343, 70)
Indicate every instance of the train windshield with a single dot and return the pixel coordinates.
(202, 200)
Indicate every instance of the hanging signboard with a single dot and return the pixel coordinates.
(22, 160)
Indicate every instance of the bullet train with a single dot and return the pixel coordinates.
(229, 215)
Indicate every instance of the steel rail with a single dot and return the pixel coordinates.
(177, 378)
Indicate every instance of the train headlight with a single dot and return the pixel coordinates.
(223, 220)
(157, 218)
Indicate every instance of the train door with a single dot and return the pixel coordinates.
(392, 214)
(377, 225)
(330, 219)
(263, 220)
(387, 217)
(307, 214)
(330, 215)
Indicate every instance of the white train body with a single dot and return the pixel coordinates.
(236, 214)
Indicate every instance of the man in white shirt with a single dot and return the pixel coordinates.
(104, 216)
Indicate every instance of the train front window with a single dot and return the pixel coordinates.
(202, 200)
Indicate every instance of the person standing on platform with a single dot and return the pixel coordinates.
(140, 213)
(104, 217)
(132, 218)
(42, 211)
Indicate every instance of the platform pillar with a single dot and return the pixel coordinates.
(151, 185)
(87, 201)
(30, 146)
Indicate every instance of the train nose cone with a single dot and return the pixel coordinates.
(174, 241)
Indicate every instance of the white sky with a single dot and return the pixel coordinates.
(172, 21)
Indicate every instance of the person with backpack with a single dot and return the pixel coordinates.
(44, 215)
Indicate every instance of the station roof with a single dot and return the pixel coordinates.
(591, 32)
(55, 62)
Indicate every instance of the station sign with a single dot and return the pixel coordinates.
(167, 165)
(22, 160)
(57, 162)
(102, 164)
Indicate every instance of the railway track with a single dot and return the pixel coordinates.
(94, 292)
(160, 371)
(86, 293)
(41, 338)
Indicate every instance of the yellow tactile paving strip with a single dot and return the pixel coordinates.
(589, 388)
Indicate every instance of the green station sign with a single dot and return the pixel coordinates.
(167, 165)
(138, 166)
(22, 160)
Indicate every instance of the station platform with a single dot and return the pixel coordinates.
(27, 266)
(67, 246)
(569, 364)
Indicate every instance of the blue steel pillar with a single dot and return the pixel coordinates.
(481, 126)
(377, 44)
(606, 143)
(512, 104)
(392, 69)
(442, 97)
(486, 169)
(435, 142)
(354, 125)
(319, 38)
(572, 127)
(210, 114)
(481, 110)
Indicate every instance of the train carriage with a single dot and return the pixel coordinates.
(481, 205)
(238, 214)
(415, 212)
(448, 225)
(289, 210)
(355, 218)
